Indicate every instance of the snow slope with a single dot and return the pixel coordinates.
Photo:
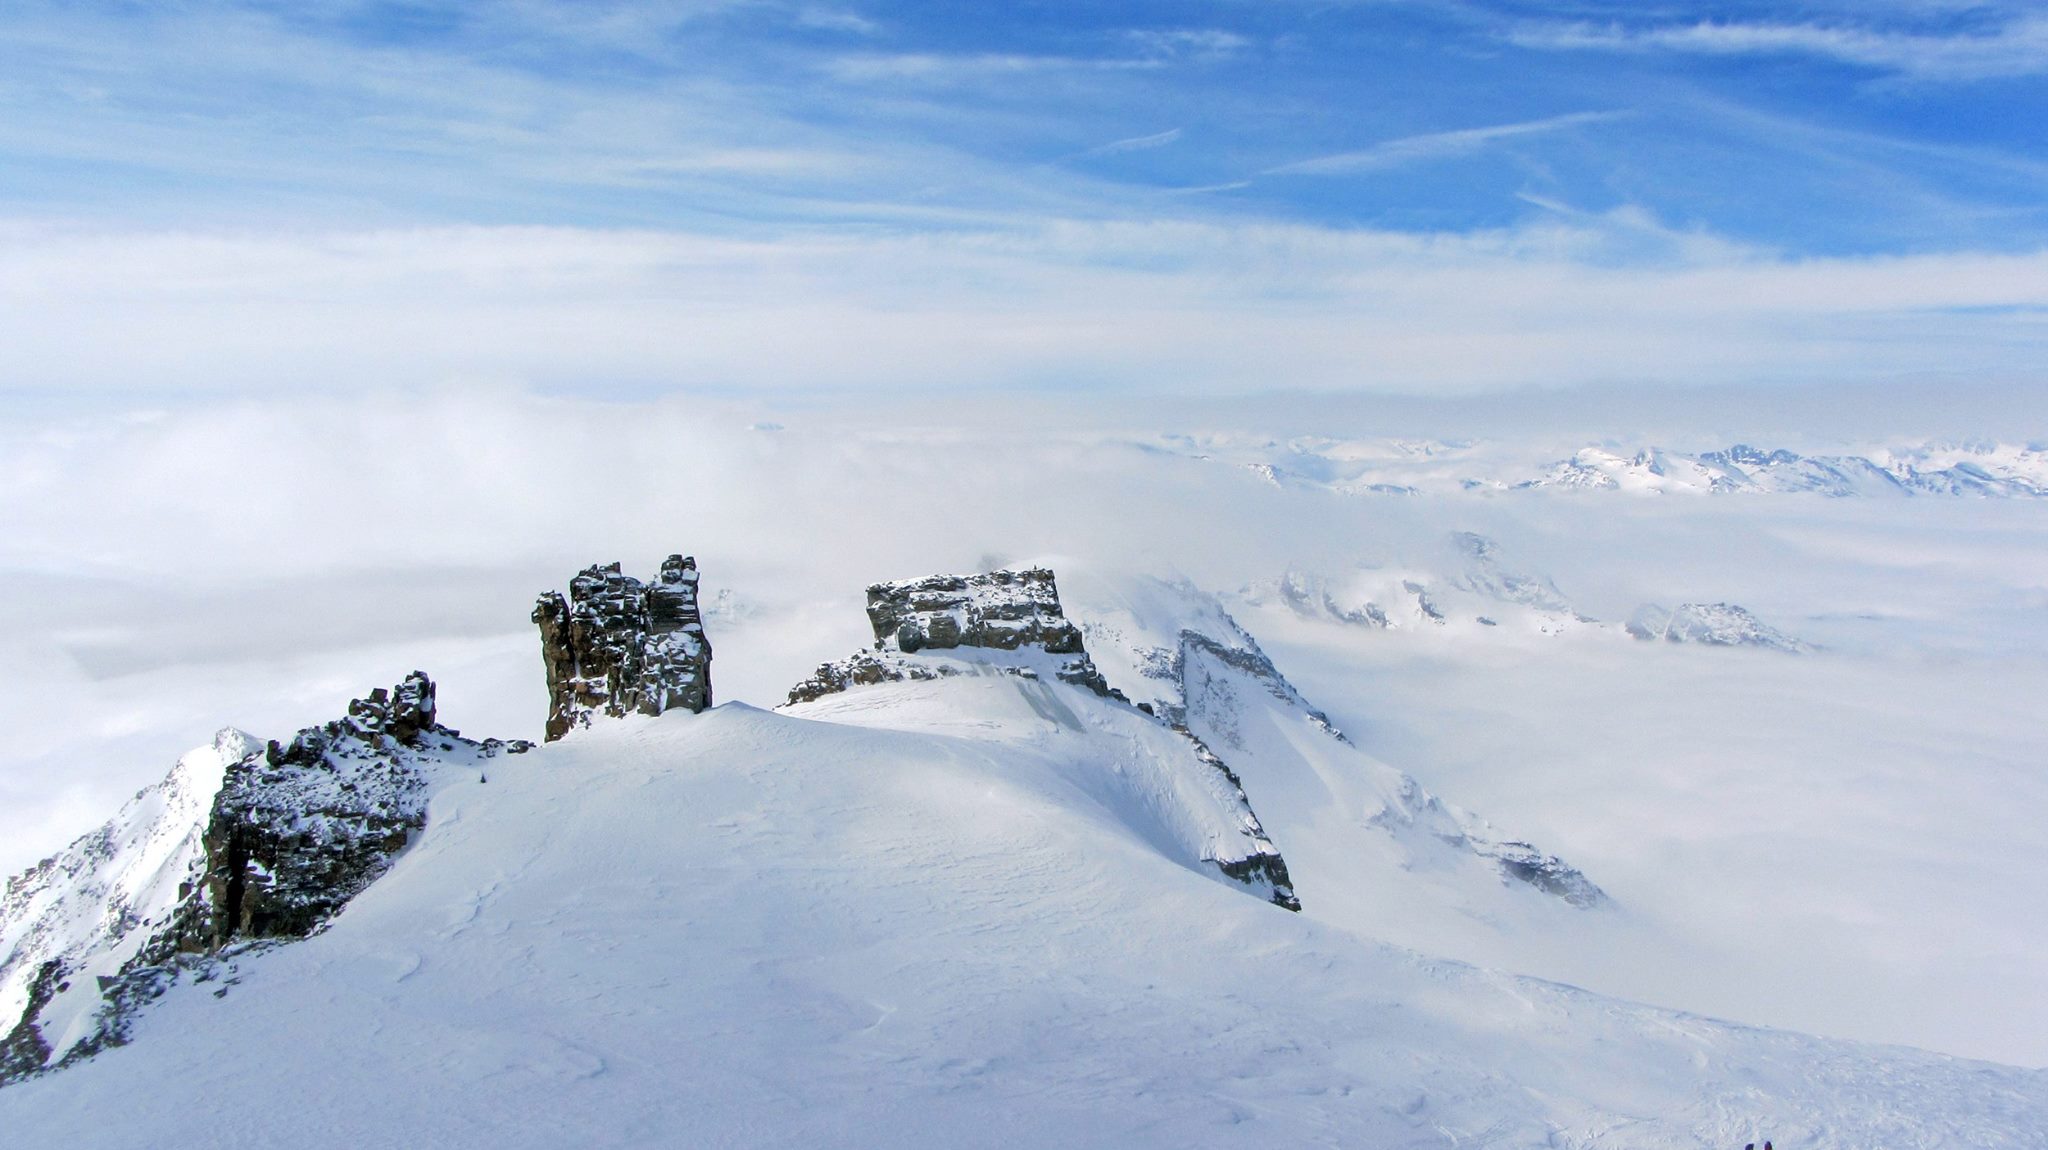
(751, 928)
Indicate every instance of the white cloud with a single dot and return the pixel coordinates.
(1433, 146)
(1135, 143)
(1143, 306)
(940, 67)
(837, 20)
(2020, 48)
(1191, 43)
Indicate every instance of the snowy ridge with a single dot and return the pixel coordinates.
(1363, 823)
(1009, 624)
(240, 842)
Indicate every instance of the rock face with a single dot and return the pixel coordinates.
(617, 646)
(240, 844)
(1713, 624)
(996, 610)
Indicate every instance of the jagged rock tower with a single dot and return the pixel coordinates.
(616, 645)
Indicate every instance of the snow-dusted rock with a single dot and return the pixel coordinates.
(1713, 624)
(995, 611)
(616, 646)
(240, 843)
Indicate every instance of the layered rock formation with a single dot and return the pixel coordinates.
(617, 646)
(995, 611)
(242, 843)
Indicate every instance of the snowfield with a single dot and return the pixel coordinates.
(1537, 856)
(749, 928)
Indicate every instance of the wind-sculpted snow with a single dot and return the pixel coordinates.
(238, 844)
(1011, 624)
(616, 646)
(744, 928)
(1180, 653)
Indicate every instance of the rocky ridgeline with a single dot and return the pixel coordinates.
(238, 845)
(997, 610)
(616, 646)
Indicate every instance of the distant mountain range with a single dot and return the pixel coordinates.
(1412, 467)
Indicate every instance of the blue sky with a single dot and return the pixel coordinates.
(1660, 136)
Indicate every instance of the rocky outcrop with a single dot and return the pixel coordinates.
(1712, 624)
(863, 669)
(993, 611)
(616, 646)
(302, 828)
(240, 844)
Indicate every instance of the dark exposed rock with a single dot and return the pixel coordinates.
(616, 646)
(23, 1050)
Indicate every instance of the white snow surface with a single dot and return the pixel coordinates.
(751, 928)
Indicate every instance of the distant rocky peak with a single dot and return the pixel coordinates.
(617, 646)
